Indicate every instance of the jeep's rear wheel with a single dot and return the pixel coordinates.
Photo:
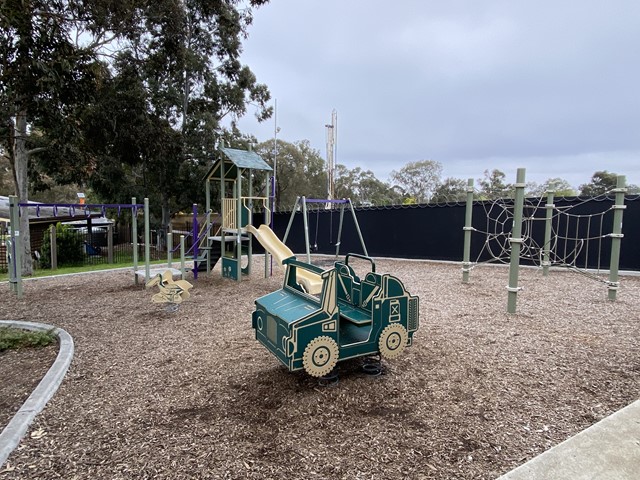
(320, 356)
(393, 341)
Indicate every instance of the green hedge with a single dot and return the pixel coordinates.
(70, 247)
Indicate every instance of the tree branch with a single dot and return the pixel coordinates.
(36, 150)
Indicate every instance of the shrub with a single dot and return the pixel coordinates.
(70, 247)
(14, 338)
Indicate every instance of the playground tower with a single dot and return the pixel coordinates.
(235, 172)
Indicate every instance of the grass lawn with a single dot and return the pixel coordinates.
(83, 268)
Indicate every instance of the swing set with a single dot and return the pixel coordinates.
(301, 204)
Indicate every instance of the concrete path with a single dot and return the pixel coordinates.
(19, 424)
(608, 450)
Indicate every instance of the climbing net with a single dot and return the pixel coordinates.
(576, 241)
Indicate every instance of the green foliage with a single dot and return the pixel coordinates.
(601, 182)
(418, 179)
(70, 247)
(493, 186)
(6, 181)
(451, 190)
(363, 188)
(143, 121)
(633, 189)
(300, 171)
(559, 186)
(158, 117)
(14, 338)
(47, 80)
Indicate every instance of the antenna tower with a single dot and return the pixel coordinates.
(332, 150)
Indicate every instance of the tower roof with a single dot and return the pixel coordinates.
(233, 159)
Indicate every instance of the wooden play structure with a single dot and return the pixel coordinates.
(235, 172)
(350, 317)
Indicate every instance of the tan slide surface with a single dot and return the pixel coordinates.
(271, 242)
(280, 252)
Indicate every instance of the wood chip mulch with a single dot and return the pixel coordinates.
(191, 394)
(21, 370)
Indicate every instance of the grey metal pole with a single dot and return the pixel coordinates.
(169, 249)
(616, 237)
(182, 268)
(306, 228)
(249, 222)
(15, 279)
(110, 243)
(195, 240)
(468, 228)
(267, 221)
(293, 214)
(53, 236)
(147, 240)
(208, 242)
(340, 230)
(355, 220)
(516, 242)
(207, 198)
(134, 234)
(546, 247)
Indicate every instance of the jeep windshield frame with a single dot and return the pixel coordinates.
(292, 284)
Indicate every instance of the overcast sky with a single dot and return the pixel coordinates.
(552, 86)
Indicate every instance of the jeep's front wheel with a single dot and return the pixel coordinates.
(320, 356)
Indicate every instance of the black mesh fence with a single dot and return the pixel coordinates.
(581, 229)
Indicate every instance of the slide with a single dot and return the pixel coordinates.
(311, 282)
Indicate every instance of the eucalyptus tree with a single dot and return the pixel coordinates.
(183, 59)
(493, 186)
(450, 190)
(559, 186)
(363, 188)
(45, 81)
(68, 68)
(418, 180)
(300, 171)
(601, 182)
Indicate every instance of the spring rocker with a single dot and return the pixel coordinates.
(172, 292)
(350, 317)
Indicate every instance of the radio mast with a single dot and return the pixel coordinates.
(332, 151)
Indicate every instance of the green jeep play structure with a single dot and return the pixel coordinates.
(349, 318)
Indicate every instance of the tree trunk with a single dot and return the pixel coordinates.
(21, 168)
